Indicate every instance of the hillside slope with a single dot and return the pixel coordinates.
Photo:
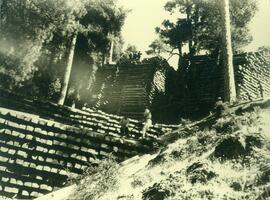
(225, 157)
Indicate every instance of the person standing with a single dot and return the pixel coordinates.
(124, 126)
(147, 121)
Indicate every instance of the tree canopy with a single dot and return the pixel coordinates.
(35, 35)
(199, 24)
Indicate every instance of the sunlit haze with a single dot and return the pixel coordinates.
(139, 28)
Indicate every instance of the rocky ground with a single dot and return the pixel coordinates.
(219, 157)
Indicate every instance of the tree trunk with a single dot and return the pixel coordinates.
(68, 70)
(190, 47)
(111, 51)
(180, 56)
(230, 91)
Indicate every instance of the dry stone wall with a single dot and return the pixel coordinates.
(36, 149)
(126, 89)
(252, 75)
(205, 80)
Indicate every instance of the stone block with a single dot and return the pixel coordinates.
(73, 155)
(21, 135)
(19, 182)
(84, 149)
(101, 131)
(2, 168)
(13, 124)
(22, 153)
(3, 149)
(43, 141)
(54, 170)
(45, 150)
(52, 151)
(3, 159)
(8, 132)
(27, 119)
(63, 172)
(39, 148)
(33, 165)
(34, 120)
(13, 181)
(16, 144)
(29, 137)
(10, 143)
(25, 146)
(84, 159)
(11, 160)
(107, 138)
(39, 178)
(55, 142)
(43, 187)
(25, 193)
(30, 128)
(19, 161)
(26, 164)
(42, 122)
(92, 151)
(46, 168)
(35, 194)
(28, 184)
(2, 121)
(78, 157)
(57, 125)
(35, 185)
(38, 130)
(63, 136)
(40, 158)
(69, 165)
(78, 166)
(12, 151)
(50, 123)
(5, 179)
(115, 149)
(59, 153)
(49, 160)
(15, 133)
(39, 167)
(63, 144)
(105, 146)
(49, 188)
(75, 147)
(11, 190)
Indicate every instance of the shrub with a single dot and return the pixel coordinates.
(96, 180)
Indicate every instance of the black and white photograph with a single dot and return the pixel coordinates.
(134, 99)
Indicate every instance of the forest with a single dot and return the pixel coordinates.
(52, 49)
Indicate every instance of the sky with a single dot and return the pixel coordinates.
(145, 15)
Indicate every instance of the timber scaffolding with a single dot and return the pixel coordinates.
(39, 141)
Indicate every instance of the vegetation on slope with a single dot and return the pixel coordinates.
(225, 157)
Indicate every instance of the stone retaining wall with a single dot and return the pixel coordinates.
(37, 149)
(252, 75)
(206, 83)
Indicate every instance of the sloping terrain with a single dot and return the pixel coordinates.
(220, 157)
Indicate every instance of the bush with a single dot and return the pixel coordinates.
(95, 181)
